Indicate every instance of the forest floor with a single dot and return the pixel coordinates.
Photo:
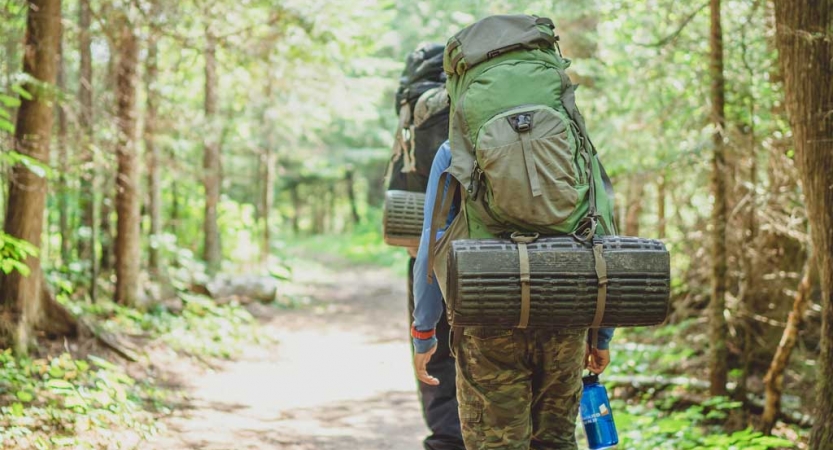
(337, 374)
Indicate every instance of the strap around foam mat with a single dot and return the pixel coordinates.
(601, 298)
(523, 255)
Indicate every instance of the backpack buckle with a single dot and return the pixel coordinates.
(521, 122)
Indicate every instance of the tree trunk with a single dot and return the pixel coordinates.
(296, 208)
(105, 226)
(20, 296)
(319, 202)
(267, 178)
(661, 215)
(636, 190)
(267, 197)
(351, 195)
(107, 185)
(330, 213)
(774, 379)
(152, 156)
(86, 247)
(63, 161)
(804, 35)
(717, 359)
(127, 182)
(211, 160)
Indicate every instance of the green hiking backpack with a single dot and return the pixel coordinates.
(522, 159)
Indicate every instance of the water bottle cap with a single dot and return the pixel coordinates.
(590, 379)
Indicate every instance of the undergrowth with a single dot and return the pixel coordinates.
(655, 418)
(363, 245)
(63, 402)
(72, 401)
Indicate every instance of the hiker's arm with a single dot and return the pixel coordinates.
(605, 335)
(597, 359)
(428, 297)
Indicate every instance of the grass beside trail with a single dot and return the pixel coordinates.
(80, 395)
(363, 245)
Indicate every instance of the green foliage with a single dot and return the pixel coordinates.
(644, 426)
(57, 402)
(364, 245)
(13, 253)
(202, 328)
(7, 103)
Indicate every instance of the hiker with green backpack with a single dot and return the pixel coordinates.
(422, 109)
(519, 164)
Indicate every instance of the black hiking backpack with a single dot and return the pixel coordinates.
(422, 107)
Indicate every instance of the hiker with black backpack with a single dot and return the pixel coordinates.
(519, 164)
(422, 108)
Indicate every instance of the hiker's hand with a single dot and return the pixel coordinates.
(420, 363)
(596, 360)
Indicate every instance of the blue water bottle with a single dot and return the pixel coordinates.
(596, 415)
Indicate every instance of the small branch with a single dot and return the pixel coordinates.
(774, 379)
(662, 42)
(110, 341)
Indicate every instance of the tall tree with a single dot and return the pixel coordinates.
(20, 296)
(211, 158)
(661, 216)
(127, 181)
(86, 247)
(718, 354)
(63, 159)
(152, 153)
(636, 192)
(804, 35)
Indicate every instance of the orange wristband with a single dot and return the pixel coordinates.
(422, 334)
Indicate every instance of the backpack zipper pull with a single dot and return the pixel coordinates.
(474, 183)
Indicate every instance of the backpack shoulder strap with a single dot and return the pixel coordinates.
(448, 186)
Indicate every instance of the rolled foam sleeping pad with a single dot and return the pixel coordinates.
(484, 282)
(402, 219)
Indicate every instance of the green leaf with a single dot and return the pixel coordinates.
(17, 409)
(714, 414)
(56, 372)
(772, 441)
(60, 384)
(9, 101)
(102, 363)
(22, 92)
(75, 401)
(64, 441)
(25, 396)
(5, 125)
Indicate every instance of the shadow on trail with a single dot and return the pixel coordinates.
(339, 378)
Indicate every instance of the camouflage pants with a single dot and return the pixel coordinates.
(519, 389)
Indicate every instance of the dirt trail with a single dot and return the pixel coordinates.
(339, 378)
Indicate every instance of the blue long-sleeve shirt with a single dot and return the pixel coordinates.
(428, 297)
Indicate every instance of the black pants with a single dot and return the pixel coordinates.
(439, 403)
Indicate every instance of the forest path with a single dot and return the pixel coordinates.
(339, 377)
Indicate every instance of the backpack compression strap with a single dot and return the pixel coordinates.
(601, 296)
(399, 145)
(440, 212)
(587, 230)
